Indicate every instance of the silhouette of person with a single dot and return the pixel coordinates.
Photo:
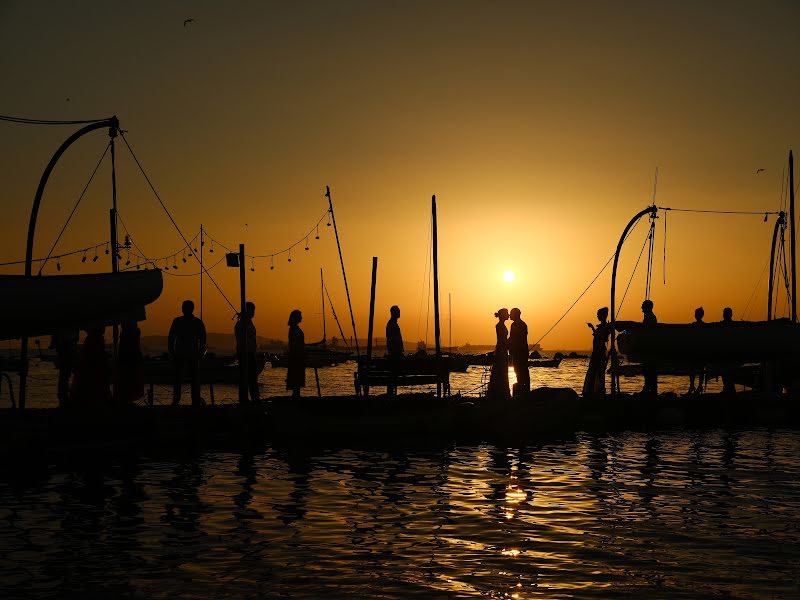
(697, 370)
(595, 381)
(728, 385)
(518, 348)
(394, 339)
(296, 371)
(498, 380)
(649, 370)
(90, 386)
(129, 368)
(186, 344)
(245, 333)
(394, 345)
(65, 343)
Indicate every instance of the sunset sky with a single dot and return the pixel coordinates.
(537, 125)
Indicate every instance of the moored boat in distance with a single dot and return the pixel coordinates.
(211, 369)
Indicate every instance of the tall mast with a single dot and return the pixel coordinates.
(322, 297)
(112, 133)
(436, 329)
(794, 247)
(201, 271)
(341, 260)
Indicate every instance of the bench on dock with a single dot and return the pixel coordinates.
(380, 372)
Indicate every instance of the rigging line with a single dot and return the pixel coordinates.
(720, 212)
(74, 208)
(583, 293)
(633, 272)
(753, 294)
(178, 229)
(335, 318)
(28, 121)
(71, 253)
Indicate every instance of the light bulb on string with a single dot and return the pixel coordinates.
(58, 265)
(212, 247)
(329, 218)
(253, 263)
(95, 254)
(184, 255)
(137, 263)
(290, 255)
(106, 248)
(271, 264)
(306, 243)
(83, 260)
(175, 262)
(317, 236)
(127, 262)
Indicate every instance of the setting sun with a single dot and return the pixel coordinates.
(508, 276)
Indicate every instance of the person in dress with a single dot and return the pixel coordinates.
(595, 381)
(697, 370)
(498, 381)
(129, 368)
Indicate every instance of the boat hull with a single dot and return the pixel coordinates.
(42, 305)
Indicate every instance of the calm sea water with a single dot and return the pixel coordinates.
(338, 381)
(662, 515)
(673, 514)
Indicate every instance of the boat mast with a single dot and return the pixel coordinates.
(201, 271)
(792, 230)
(322, 297)
(341, 260)
(436, 330)
(781, 220)
(450, 320)
(614, 376)
(113, 124)
(112, 133)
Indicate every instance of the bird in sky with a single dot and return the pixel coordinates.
(188, 22)
(758, 171)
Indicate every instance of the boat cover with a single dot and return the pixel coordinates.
(739, 342)
(44, 304)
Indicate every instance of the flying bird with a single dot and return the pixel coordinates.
(758, 171)
(188, 22)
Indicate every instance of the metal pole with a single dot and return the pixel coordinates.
(111, 122)
(112, 133)
(322, 297)
(436, 330)
(341, 260)
(794, 247)
(450, 320)
(781, 220)
(112, 214)
(243, 322)
(201, 271)
(372, 306)
(614, 377)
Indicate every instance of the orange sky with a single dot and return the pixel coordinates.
(537, 125)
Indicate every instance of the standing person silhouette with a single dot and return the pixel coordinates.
(498, 380)
(186, 344)
(90, 387)
(595, 381)
(518, 347)
(296, 371)
(394, 346)
(245, 332)
(697, 370)
(129, 368)
(728, 385)
(65, 343)
(649, 370)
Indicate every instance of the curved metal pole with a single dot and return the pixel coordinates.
(781, 220)
(112, 123)
(649, 210)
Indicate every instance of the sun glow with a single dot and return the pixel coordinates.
(509, 276)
